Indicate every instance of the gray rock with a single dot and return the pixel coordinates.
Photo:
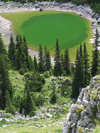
(54, 79)
(17, 77)
(67, 82)
(87, 120)
(60, 78)
(48, 115)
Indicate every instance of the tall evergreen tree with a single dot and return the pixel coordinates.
(67, 62)
(41, 68)
(25, 50)
(2, 47)
(18, 53)
(81, 53)
(11, 51)
(23, 57)
(48, 61)
(62, 60)
(31, 63)
(9, 107)
(78, 79)
(35, 63)
(87, 74)
(96, 43)
(95, 59)
(5, 83)
(57, 59)
(44, 58)
(28, 101)
(95, 62)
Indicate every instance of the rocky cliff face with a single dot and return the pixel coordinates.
(82, 115)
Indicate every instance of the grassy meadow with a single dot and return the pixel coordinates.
(47, 26)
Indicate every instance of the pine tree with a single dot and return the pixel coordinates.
(44, 58)
(4, 53)
(18, 53)
(35, 63)
(2, 47)
(81, 54)
(31, 63)
(23, 57)
(67, 62)
(11, 51)
(9, 107)
(78, 79)
(96, 43)
(41, 68)
(29, 103)
(25, 50)
(87, 74)
(95, 60)
(57, 59)
(18, 63)
(48, 61)
(5, 83)
(62, 60)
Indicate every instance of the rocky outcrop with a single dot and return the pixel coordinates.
(82, 115)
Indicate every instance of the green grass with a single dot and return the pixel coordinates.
(45, 27)
(28, 126)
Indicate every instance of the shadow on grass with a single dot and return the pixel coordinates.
(57, 131)
(25, 132)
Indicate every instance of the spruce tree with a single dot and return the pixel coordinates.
(9, 107)
(57, 60)
(87, 74)
(35, 63)
(67, 62)
(11, 51)
(48, 61)
(23, 57)
(31, 63)
(28, 101)
(81, 54)
(5, 83)
(25, 50)
(18, 62)
(78, 79)
(95, 62)
(41, 67)
(62, 60)
(96, 43)
(95, 57)
(44, 58)
(2, 47)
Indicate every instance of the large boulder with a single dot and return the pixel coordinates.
(86, 108)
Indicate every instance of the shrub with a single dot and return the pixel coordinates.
(80, 129)
(39, 101)
(32, 113)
(8, 115)
(53, 95)
(22, 71)
(46, 74)
(94, 97)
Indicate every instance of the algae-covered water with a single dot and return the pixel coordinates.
(45, 27)
(69, 29)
